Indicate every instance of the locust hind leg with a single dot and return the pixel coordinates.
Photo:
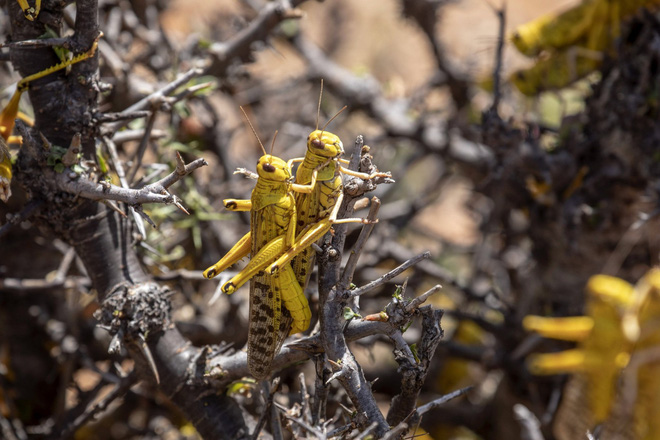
(241, 249)
(313, 233)
(293, 297)
(258, 262)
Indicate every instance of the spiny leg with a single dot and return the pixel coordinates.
(574, 328)
(293, 298)
(313, 233)
(239, 250)
(560, 362)
(266, 255)
(363, 176)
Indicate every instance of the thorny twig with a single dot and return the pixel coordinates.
(155, 98)
(389, 275)
(270, 390)
(269, 16)
(153, 193)
(351, 264)
(346, 369)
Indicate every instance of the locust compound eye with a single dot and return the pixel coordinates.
(269, 168)
(317, 143)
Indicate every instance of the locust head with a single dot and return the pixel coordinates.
(273, 168)
(326, 144)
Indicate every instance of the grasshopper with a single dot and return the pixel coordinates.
(573, 42)
(10, 113)
(317, 210)
(272, 228)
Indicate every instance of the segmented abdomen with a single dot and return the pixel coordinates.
(269, 322)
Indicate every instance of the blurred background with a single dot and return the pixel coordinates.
(519, 204)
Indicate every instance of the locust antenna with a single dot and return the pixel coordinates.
(318, 109)
(253, 130)
(272, 145)
(333, 118)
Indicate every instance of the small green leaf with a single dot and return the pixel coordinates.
(59, 167)
(413, 348)
(350, 314)
(397, 293)
(103, 164)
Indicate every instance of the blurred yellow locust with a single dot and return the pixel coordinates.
(619, 338)
(570, 45)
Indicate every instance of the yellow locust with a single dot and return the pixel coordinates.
(272, 209)
(10, 113)
(317, 206)
(317, 210)
(616, 363)
(570, 44)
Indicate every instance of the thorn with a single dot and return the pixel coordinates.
(201, 86)
(416, 302)
(112, 205)
(138, 209)
(216, 293)
(47, 144)
(116, 343)
(146, 351)
(247, 173)
(179, 205)
(180, 165)
(337, 375)
(316, 248)
(71, 155)
(403, 287)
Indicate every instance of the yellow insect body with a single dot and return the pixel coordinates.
(555, 31)
(272, 227)
(571, 44)
(317, 210)
(619, 339)
(286, 219)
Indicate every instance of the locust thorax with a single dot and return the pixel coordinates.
(323, 143)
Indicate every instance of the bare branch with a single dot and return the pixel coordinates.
(270, 15)
(389, 275)
(155, 97)
(351, 264)
(529, 424)
(441, 400)
(154, 193)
